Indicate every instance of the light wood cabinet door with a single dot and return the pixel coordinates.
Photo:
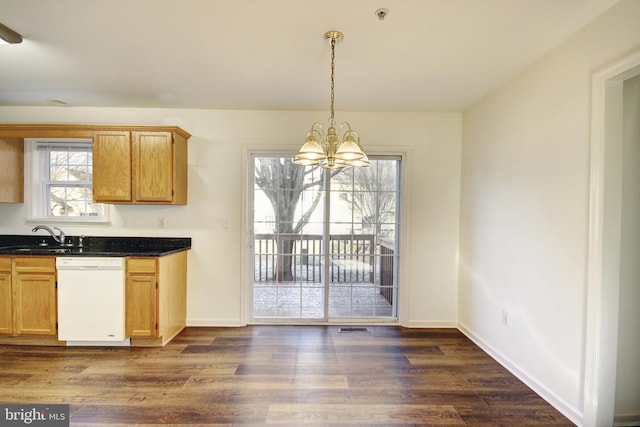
(153, 167)
(34, 302)
(34, 296)
(141, 306)
(6, 299)
(156, 298)
(112, 167)
(11, 170)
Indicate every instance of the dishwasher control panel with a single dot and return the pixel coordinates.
(73, 263)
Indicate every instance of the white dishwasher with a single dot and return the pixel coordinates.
(91, 300)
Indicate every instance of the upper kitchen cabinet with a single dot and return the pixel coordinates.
(11, 170)
(140, 167)
(160, 166)
(112, 167)
(131, 164)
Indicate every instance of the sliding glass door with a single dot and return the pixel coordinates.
(324, 242)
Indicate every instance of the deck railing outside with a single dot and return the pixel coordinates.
(354, 258)
(356, 262)
(387, 250)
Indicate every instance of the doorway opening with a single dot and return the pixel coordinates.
(605, 243)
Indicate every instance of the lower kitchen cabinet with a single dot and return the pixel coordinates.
(141, 298)
(28, 289)
(156, 298)
(6, 301)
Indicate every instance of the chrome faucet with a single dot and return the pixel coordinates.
(58, 238)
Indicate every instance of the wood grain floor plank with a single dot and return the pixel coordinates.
(279, 375)
(309, 414)
(179, 367)
(268, 382)
(212, 413)
(395, 397)
(520, 415)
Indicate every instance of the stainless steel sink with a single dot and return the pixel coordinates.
(36, 250)
(43, 250)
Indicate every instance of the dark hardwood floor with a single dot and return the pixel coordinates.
(279, 375)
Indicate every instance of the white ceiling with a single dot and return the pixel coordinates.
(427, 55)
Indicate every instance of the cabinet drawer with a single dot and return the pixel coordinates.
(141, 265)
(34, 264)
(5, 264)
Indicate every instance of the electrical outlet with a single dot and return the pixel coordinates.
(161, 222)
(125, 221)
(226, 224)
(505, 318)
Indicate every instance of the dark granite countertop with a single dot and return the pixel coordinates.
(93, 246)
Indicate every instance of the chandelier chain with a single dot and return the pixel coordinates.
(333, 66)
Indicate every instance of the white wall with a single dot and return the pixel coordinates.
(524, 211)
(627, 399)
(429, 277)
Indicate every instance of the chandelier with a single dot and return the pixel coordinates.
(338, 147)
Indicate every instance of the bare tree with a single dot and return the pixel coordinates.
(68, 165)
(284, 183)
(371, 192)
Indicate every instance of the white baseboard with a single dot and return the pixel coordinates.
(626, 420)
(567, 410)
(123, 343)
(430, 324)
(215, 323)
(413, 324)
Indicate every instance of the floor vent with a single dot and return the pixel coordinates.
(354, 329)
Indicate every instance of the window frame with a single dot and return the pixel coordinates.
(262, 253)
(37, 183)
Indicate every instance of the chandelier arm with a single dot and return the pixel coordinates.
(348, 131)
(354, 133)
(314, 127)
(345, 125)
(318, 131)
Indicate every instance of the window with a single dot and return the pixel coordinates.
(60, 181)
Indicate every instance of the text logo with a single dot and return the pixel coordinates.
(34, 415)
